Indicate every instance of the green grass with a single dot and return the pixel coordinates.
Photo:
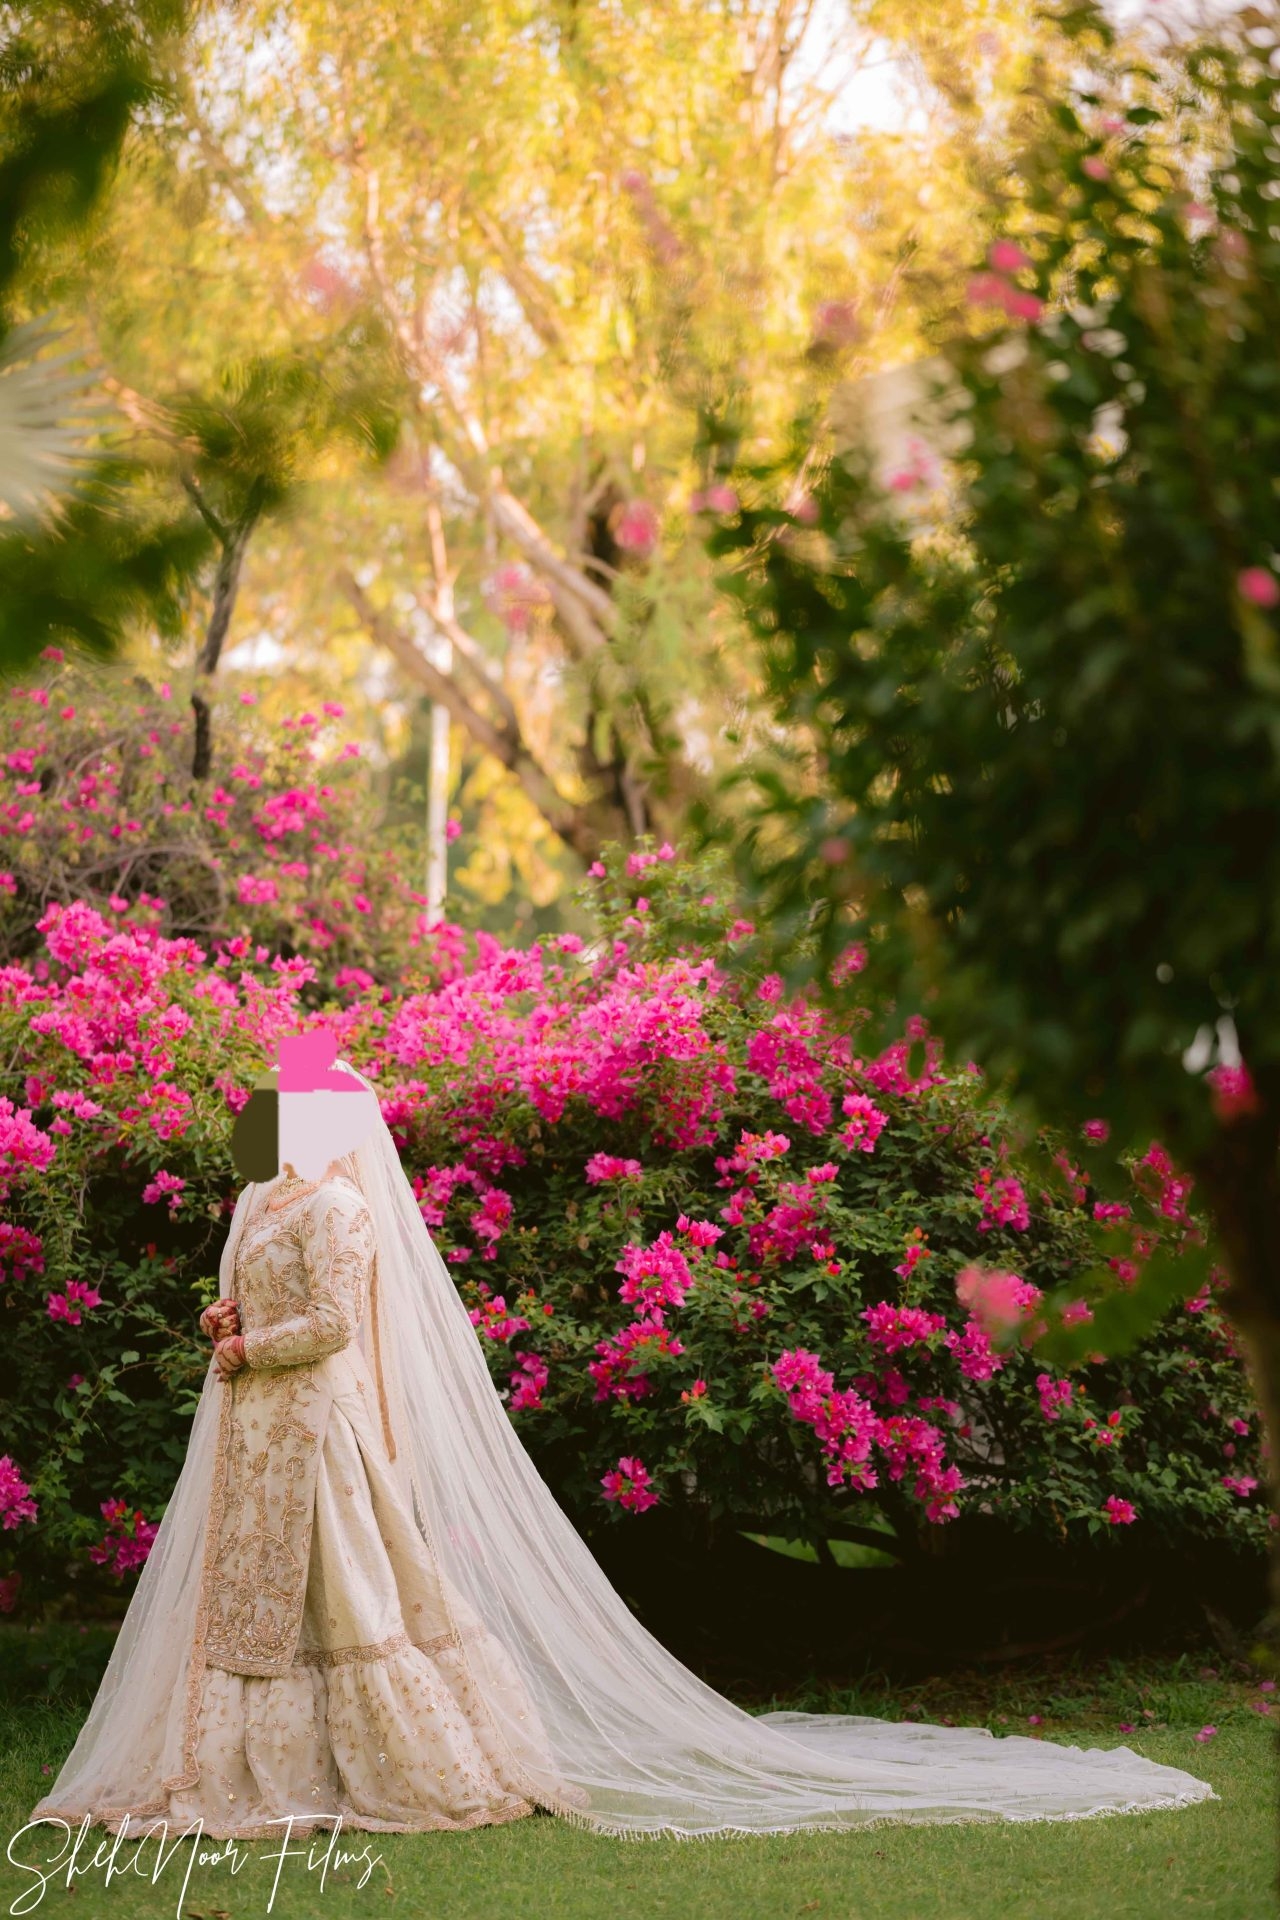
(1213, 1860)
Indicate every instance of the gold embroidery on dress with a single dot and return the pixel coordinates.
(388, 1438)
(300, 1279)
(380, 1650)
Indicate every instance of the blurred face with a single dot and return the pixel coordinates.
(299, 1125)
(255, 1137)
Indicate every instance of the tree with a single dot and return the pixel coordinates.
(1037, 716)
(76, 560)
(571, 223)
(100, 538)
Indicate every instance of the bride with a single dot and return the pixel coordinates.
(364, 1604)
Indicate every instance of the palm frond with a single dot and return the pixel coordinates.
(46, 420)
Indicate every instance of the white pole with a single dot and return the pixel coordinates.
(438, 793)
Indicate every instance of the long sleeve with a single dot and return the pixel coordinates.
(335, 1232)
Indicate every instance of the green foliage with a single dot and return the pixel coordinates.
(74, 79)
(74, 74)
(1037, 747)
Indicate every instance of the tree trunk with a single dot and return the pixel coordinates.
(234, 541)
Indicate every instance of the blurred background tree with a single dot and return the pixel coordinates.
(81, 553)
(540, 241)
(1029, 694)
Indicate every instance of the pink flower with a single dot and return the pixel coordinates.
(836, 322)
(920, 469)
(1096, 167)
(1259, 585)
(637, 528)
(1119, 1513)
(66, 1306)
(997, 1300)
(700, 1232)
(852, 959)
(1097, 1130)
(846, 1424)
(170, 1184)
(892, 1328)
(630, 1484)
(491, 1317)
(527, 1382)
(1205, 1733)
(973, 1352)
(986, 290)
(619, 1371)
(1054, 1395)
(1004, 1203)
(1233, 1091)
(866, 1122)
(992, 290)
(452, 828)
(1006, 256)
(16, 1504)
(128, 1539)
(1241, 1484)
(654, 1276)
(607, 1166)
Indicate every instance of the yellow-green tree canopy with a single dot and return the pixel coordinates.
(546, 237)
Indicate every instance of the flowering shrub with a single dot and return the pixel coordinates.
(718, 1258)
(273, 855)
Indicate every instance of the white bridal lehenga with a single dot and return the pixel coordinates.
(363, 1601)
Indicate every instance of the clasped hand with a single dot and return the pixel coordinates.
(221, 1323)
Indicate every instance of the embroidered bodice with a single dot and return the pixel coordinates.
(303, 1277)
(302, 1274)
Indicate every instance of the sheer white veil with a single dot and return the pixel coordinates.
(601, 1723)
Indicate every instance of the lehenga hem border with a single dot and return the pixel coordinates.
(115, 1818)
(307, 1657)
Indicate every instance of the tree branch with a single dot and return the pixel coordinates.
(220, 532)
(226, 580)
(504, 743)
(587, 613)
(526, 286)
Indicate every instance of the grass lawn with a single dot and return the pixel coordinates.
(1213, 1860)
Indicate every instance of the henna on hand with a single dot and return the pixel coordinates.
(228, 1355)
(220, 1318)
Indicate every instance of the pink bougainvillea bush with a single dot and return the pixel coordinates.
(718, 1258)
(282, 846)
